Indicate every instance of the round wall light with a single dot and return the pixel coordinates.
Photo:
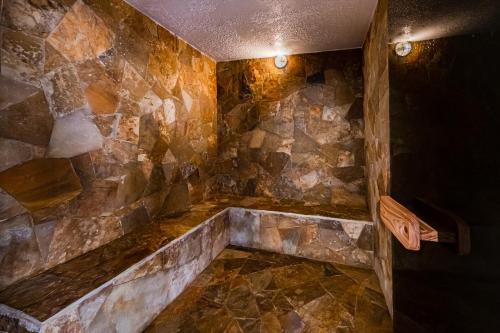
(403, 49)
(280, 61)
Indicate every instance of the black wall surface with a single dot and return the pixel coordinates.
(445, 145)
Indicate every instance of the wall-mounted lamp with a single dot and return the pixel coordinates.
(280, 61)
(403, 49)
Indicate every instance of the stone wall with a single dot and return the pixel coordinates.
(294, 133)
(377, 147)
(106, 119)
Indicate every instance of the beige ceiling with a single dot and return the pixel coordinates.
(243, 29)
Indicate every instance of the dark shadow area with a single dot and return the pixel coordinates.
(445, 120)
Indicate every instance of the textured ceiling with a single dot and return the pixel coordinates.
(428, 19)
(243, 29)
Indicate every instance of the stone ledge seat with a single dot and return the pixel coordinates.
(120, 286)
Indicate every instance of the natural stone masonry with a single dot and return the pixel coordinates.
(293, 133)
(41, 183)
(315, 237)
(129, 107)
(135, 297)
(377, 147)
(131, 273)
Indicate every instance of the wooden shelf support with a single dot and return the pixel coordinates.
(424, 221)
(403, 224)
(441, 225)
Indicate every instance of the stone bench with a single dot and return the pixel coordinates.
(124, 284)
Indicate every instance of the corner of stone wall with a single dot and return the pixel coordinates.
(377, 140)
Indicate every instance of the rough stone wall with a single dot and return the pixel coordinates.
(377, 140)
(105, 119)
(294, 133)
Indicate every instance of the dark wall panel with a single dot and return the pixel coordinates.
(445, 120)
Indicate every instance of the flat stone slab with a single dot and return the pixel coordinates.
(41, 183)
(124, 284)
(290, 206)
(73, 135)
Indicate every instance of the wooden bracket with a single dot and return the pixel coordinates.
(441, 225)
(403, 224)
(424, 222)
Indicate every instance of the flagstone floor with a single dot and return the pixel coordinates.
(246, 290)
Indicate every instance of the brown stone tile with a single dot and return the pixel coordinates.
(241, 302)
(97, 198)
(134, 47)
(177, 200)
(84, 168)
(41, 183)
(100, 89)
(25, 114)
(62, 90)
(9, 207)
(252, 266)
(135, 219)
(342, 289)
(34, 17)
(218, 321)
(365, 240)
(309, 307)
(22, 56)
(261, 281)
(53, 59)
(341, 196)
(19, 242)
(73, 237)
(128, 129)
(290, 276)
(81, 34)
(44, 233)
(133, 85)
(323, 314)
(14, 152)
(106, 124)
(132, 186)
(372, 314)
(163, 66)
(302, 294)
(291, 322)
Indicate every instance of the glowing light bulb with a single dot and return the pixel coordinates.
(280, 61)
(403, 49)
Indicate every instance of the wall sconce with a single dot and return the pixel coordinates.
(403, 49)
(280, 61)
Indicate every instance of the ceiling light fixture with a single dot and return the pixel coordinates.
(403, 49)
(280, 61)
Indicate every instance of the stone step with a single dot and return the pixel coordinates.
(124, 284)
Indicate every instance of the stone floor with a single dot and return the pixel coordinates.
(247, 290)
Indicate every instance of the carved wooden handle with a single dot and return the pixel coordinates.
(401, 222)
